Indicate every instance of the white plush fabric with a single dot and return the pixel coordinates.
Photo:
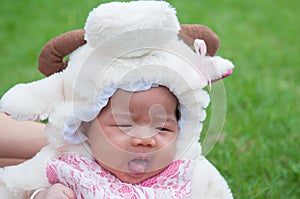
(127, 44)
(115, 18)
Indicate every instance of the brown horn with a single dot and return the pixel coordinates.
(53, 53)
(190, 32)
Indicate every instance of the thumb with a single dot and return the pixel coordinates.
(69, 193)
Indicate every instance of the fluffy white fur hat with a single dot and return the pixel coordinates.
(110, 59)
(132, 46)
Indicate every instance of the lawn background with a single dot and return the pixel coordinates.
(258, 152)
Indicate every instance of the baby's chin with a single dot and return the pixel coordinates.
(134, 177)
(135, 170)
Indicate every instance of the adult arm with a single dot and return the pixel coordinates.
(19, 140)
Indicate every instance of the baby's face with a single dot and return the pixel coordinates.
(134, 136)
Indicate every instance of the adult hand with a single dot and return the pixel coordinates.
(56, 191)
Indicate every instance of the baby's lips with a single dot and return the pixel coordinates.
(138, 165)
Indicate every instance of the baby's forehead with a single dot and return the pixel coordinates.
(154, 99)
(158, 94)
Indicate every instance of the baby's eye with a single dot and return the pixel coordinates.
(124, 125)
(162, 129)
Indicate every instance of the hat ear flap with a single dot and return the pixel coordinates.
(33, 101)
(224, 68)
(213, 68)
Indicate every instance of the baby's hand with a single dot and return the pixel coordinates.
(56, 191)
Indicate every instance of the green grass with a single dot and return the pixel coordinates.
(258, 152)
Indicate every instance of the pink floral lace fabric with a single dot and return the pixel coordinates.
(89, 180)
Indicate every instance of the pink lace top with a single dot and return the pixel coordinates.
(89, 180)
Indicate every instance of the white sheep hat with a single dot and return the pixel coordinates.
(132, 46)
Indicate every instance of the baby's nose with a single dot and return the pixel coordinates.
(148, 141)
(143, 136)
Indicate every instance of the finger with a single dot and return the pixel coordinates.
(66, 191)
(69, 193)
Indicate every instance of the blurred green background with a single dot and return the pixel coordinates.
(258, 152)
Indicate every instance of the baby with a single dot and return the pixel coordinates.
(137, 144)
(125, 116)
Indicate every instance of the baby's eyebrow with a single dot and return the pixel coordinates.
(128, 116)
(120, 115)
(171, 120)
(164, 119)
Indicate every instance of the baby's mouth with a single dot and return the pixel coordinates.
(139, 165)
